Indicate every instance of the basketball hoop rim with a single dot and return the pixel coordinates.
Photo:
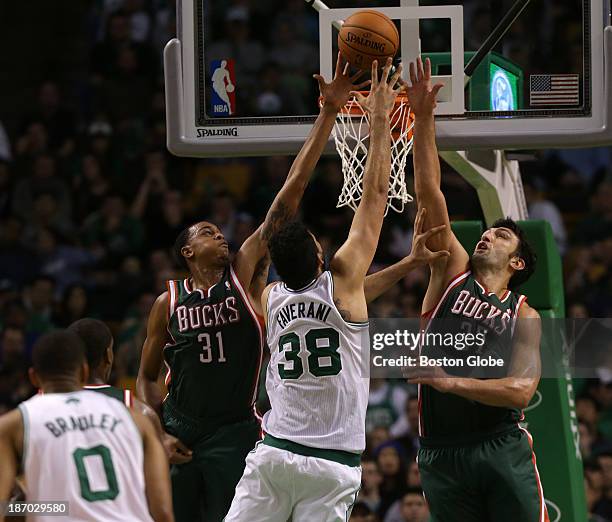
(352, 107)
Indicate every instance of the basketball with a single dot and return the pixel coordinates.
(366, 36)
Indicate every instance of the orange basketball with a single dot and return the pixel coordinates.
(366, 36)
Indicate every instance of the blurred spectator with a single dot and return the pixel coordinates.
(112, 232)
(597, 225)
(5, 145)
(73, 306)
(385, 406)
(105, 55)
(371, 479)
(58, 120)
(43, 182)
(62, 262)
(38, 301)
(361, 513)
(541, 208)
(391, 460)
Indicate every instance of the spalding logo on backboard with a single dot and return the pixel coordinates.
(223, 91)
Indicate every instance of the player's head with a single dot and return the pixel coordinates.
(296, 254)
(201, 244)
(98, 341)
(414, 507)
(59, 358)
(504, 247)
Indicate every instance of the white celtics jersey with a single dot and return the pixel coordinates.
(317, 377)
(84, 448)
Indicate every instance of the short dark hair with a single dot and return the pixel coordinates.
(414, 490)
(294, 253)
(181, 240)
(58, 353)
(96, 336)
(525, 251)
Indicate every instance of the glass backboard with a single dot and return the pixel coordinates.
(239, 74)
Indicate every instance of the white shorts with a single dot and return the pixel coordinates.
(278, 485)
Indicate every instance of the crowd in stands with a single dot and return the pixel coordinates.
(91, 202)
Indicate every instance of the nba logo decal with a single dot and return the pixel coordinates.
(223, 99)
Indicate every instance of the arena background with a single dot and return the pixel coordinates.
(91, 201)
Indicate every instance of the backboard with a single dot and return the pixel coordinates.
(239, 74)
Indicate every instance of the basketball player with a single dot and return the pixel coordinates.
(81, 447)
(98, 341)
(308, 466)
(209, 332)
(476, 463)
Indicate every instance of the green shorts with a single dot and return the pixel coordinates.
(203, 489)
(491, 481)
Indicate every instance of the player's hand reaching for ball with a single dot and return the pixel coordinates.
(337, 93)
(383, 92)
(176, 451)
(420, 254)
(421, 94)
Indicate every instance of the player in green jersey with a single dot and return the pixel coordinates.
(208, 330)
(98, 340)
(476, 462)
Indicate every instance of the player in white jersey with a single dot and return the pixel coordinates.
(80, 446)
(307, 467)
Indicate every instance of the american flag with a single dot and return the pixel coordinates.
(553, 89)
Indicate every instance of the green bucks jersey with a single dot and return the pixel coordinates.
(215, 350)
(125, 396)
(467, 307)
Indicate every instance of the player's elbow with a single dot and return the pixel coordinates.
(521, 395)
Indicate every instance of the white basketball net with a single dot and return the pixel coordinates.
(351, 133)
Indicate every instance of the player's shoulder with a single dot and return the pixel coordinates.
(528, 312)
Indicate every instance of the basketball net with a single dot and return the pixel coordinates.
(351, 134)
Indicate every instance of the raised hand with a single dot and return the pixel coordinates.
(337, 93)
(381, 98)
(421, 94)
(420, 254)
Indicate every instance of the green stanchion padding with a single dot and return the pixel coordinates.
(468, 233)
(545, 287)
(551, 419)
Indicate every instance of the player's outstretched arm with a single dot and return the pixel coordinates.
(514, 391)
(422, 98)
(11, 449)
(352, 260)
(157, 477)
(286, 203)
(151, 360)
(378, 283)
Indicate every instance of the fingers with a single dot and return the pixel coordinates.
(358, 96)
(386, 69)
(427, 68)
(418, 221)
(178, 458)
(363, 84)
(374, 73)
(320, 81)
(357, 75)
(396, 76)
(441, 253)
(436, 89)
(433, 231)
(346, 68)
(413, 74)
(420, 72)
(184, 449)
